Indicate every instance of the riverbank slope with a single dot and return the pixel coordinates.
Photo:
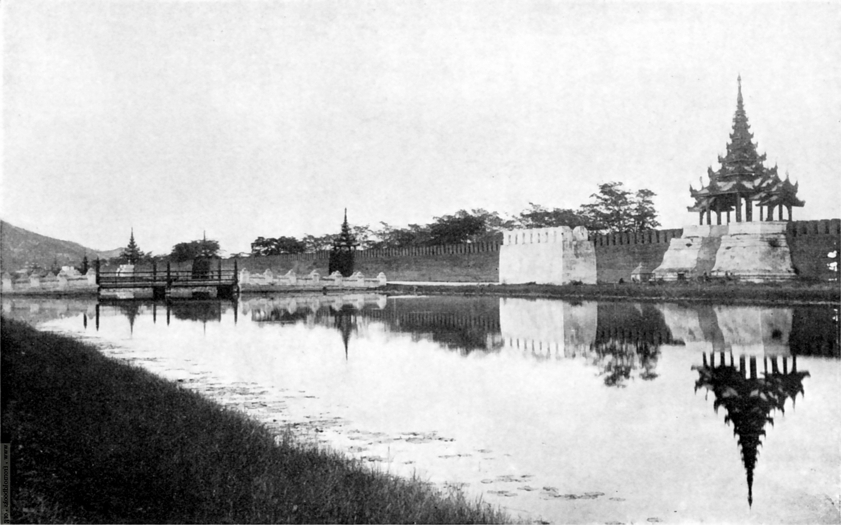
(94, 440)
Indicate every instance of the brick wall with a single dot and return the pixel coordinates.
(810, 243)
(618, 254)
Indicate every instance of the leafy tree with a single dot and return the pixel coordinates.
(456, 229)
(187, 251)
(644, 215)
(364, 236)
(131, 254)
(618, 210)
(318, 244)
(611, 210)
(391, 237)
(539, 217)
(275, 246)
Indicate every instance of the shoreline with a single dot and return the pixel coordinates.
(96, 440)
(725, 292)
(707, 292)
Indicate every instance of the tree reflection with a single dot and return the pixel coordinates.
(617, 360)
(749, 401)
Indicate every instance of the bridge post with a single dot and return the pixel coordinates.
(154, 271)
(220, 270)
(168, 275)
(96, 264)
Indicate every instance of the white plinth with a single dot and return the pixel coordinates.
(756, 252)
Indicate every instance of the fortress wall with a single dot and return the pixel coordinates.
(453, 263)
(810, 243)
(477, 262)
(618, 254)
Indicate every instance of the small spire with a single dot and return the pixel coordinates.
(739, 97)
(345, 215)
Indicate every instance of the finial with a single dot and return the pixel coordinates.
(739, 97)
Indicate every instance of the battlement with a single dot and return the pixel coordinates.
(822, 227)
(541, 236)
(631, 238)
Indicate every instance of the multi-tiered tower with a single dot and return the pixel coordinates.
(743, 182)
(754, 247)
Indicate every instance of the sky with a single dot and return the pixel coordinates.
(254, 118)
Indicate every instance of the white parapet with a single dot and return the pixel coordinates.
(547, 256)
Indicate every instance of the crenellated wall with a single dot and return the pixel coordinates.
(618, 254)
(811, 243)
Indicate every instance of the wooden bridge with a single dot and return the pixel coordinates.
(216, 282)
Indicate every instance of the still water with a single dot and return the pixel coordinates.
(556, 411)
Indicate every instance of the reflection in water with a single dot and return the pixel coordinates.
(458, 323)
(574, 354)
(617, 360)
(619, 339)
(748, 400)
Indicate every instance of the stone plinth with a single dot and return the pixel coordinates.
(547, 256)
(756, 252)
(692, 254)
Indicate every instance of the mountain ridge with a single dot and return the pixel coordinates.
(21, 248)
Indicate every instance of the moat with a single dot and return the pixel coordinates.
(557, 411)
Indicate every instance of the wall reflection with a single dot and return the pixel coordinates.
(622, 340)
(539, 328)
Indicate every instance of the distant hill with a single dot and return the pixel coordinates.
(21, 248)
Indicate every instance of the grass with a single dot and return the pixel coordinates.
(720, 291)
(94, 440)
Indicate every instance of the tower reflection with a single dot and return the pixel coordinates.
(750, 400)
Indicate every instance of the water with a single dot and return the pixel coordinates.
(557, 411)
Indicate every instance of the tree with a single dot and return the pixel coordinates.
(611, 210)
(317, 244)
(131, 254)
(83, 268)
(618, 210)
(455, 229)
(644, 215)
(187, 251)
(276, 246)
(539, 217)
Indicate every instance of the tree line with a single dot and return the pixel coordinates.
(613, 209)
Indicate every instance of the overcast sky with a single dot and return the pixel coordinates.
(247, 118)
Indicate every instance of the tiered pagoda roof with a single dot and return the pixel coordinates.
(743, 174)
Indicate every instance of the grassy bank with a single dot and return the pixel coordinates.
(94, 440)
(726, 292)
